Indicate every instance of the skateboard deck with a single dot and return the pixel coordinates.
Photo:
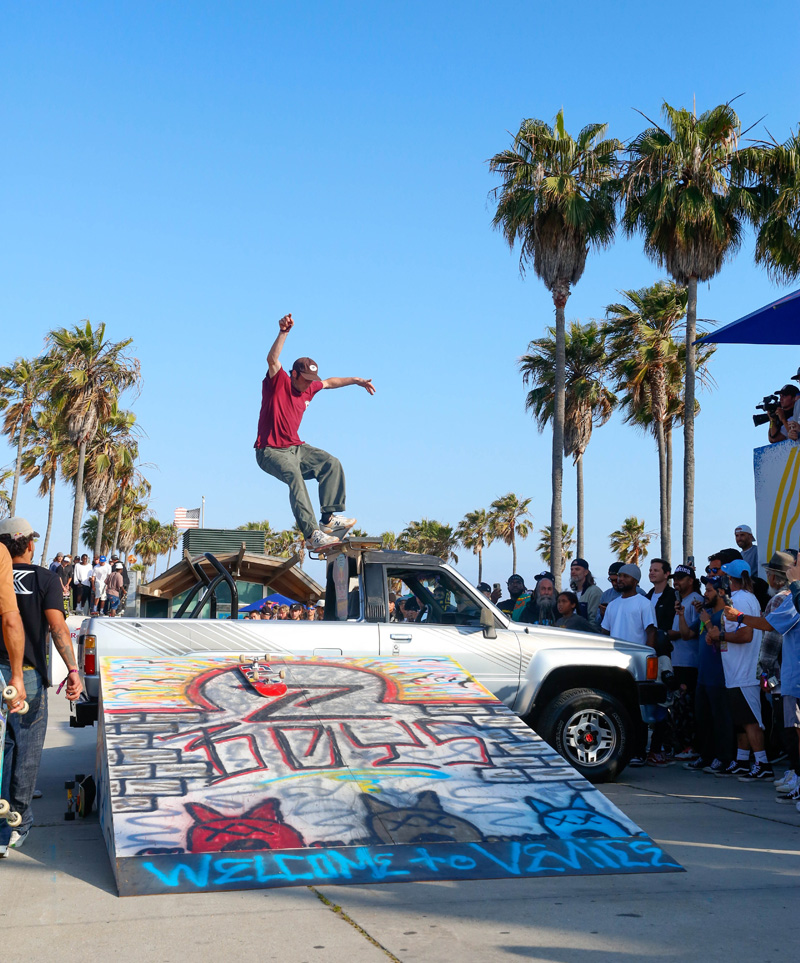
(7, 695)
(262, 678)
(349, 543)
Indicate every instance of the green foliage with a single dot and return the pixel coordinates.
(630, 542)
(567, 542)
(429, 537)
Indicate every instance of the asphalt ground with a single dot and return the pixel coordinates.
(739, 899)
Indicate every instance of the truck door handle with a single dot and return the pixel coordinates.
(399, 638)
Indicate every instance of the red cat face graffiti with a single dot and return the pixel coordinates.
(260, 828)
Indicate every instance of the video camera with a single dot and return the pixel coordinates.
(769, 406)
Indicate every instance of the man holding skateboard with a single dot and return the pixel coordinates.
(40, 599)
(280, 453)
(11, 632)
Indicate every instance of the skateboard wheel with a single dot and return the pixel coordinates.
(282, 674)
(69, 816)
(5, 807)
(24, 709)
(14, 820)
(10, 693)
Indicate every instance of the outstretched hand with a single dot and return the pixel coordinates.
(366, 383)
(286, 324)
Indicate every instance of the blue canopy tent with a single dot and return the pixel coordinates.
(260, 603)
(775, 323)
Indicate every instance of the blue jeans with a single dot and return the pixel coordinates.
(23, 751)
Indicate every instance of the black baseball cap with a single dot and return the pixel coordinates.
(789, 390)
(719, 582)
(684, 570)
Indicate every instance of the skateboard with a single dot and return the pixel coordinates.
(261, 677)
(349, 542)
(81, 792)
(8, 694)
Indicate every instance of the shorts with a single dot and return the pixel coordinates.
(745, 705)
(112, 603)
(791, 712)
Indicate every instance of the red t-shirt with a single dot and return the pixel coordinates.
(282, 410)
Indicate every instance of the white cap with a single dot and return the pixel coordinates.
(743, 528)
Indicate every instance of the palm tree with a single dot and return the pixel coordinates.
(557, 200)
(154, 540)
(629, 543)
(429, 537)
(774, 169)
(132, 485)
(171, 539)
(389, 540)
(588, 403)
(89, 536)
(88, 375)
(279, 543)
(508, 520)
(21, 386)
(135, 515)
(641, 334)
(44, 449)
(258, 527)
(474, 532)
(679, 193)
(5, 498)
(567, 541)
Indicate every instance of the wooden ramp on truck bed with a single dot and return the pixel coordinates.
(362, 771)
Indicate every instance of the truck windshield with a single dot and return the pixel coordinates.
(432, 597)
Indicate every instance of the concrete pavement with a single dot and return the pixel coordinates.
(738, 899)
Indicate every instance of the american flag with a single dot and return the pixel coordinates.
(187, 518)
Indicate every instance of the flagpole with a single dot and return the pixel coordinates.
(202, 511)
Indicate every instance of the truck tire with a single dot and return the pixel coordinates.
(591, 729)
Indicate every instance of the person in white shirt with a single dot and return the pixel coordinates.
(740, 647)
(82, 584)
(100, 574)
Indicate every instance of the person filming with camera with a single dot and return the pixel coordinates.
(784, 421)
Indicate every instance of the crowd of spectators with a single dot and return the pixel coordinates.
(296, 612)
(95, 588)
(729, 654)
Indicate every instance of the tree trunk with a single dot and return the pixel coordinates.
(668, 442)
(560, 295)
(579, 472)
(513, 553)
(662, 491)
(77, 511)
(688, 424)
(98, 541)
(122, 490)
(480, 565)
(18, 466)
(49, 519)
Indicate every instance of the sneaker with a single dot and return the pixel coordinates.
(737, 767)
(3, 852)
(338, 526)
(688, 753)
(789, 785)
(786, 777)
(793, 797)
(715, 767)
(320, 540)
(17, 840)
(698, 765)
(636, 761)
(759, 771)
(37, 793)
(658, 759)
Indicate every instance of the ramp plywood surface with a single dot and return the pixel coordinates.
(365, 770)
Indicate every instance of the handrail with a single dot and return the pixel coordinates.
(210, 590)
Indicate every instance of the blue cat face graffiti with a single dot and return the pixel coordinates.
(577, 819)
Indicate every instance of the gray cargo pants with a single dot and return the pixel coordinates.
(292, 466)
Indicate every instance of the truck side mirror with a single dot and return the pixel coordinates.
(488, 624)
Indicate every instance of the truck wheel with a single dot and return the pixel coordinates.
(591, 729)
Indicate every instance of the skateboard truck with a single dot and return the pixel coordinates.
(267, 684)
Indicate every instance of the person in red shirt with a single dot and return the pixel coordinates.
(280, 453)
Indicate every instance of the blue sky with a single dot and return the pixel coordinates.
(188, 172)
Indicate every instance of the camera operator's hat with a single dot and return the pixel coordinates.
(736, 568)
(789, 390)
(780, 563)
(17, 526)
(633, 570)
(307, 367)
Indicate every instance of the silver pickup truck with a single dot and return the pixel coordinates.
(583, 693)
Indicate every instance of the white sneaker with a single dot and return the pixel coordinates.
(782, 780)
(320, 540)
(3, 852)
(17, 840)
(338, 525)
(789, 785)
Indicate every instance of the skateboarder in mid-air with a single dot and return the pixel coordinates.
(280, 453)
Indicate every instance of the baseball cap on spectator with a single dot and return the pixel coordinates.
(719, 582)
(306, 367)
(683, 570)
(736, 568)
(545, 574)
(67, 558)
(482, 587)
(789, 390)
(796, 377)
(743, 528)
(779, 563)
(632, 570)
(614, 567)
(102, 558)
(118, 567)
(17, 526)
(582, 562)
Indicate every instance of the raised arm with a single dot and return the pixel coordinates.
(345, 382)
(274, 356)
